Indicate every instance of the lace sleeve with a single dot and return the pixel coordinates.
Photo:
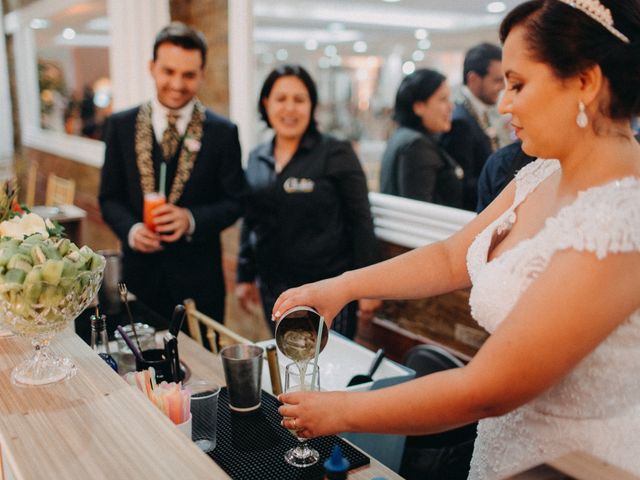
(531, 175)
(602, 219)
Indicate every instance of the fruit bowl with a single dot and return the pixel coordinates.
(45, 284)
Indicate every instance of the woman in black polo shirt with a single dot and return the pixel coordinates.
(308, 215)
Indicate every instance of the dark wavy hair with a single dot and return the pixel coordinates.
(416, 87)
(569, 41)
(289, 71)
(182, 35)
(479, 58)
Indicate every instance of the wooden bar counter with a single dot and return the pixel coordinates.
(91, 426)
(96, 426)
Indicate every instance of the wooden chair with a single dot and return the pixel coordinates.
(32, 183)
(215, 331)
(60, 191)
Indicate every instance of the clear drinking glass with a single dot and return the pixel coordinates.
(298, 377)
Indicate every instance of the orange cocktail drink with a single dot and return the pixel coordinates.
(151, 202)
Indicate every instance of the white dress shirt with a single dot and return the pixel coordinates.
(159, 118)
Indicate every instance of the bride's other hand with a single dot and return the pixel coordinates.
(314, 414)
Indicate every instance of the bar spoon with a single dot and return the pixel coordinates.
(124, 296)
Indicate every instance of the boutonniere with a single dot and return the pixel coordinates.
(491, 132)
(192, 145)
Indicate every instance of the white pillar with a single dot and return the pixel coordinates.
(242, 101)
(133, 27)
(6, 132)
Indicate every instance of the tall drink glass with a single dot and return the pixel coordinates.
(298, 379)
(151, 201)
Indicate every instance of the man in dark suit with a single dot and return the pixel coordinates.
(500, 168)
(177, 254)
(472, 138)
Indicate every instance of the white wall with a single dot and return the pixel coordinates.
(6, 131)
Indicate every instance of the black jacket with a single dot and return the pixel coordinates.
(312, 220)
(470, 146)
(501, 167)
(414, 166)
(212, 194)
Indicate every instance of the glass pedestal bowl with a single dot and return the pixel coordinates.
(38, 311)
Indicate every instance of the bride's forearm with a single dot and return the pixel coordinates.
(419, 273)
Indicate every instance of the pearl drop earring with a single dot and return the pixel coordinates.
(582, 119)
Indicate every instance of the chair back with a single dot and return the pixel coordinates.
(440, 455)
(427, 359)
(216, 333)
(32, 181)
(60, 191)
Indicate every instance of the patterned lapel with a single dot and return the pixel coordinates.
(482, 121)
(188, 152)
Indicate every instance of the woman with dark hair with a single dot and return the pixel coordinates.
(553, 262)
(413, 164)
(308, 215)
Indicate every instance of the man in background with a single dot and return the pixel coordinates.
(500, 168)
(174, 136)
(472, 138)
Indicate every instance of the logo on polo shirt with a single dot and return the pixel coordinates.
(298, 185)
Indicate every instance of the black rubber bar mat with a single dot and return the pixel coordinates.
(252, 446)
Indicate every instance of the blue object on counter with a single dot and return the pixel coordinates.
(110, 360)
(337, 466)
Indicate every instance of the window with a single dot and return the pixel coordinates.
(76, 61)
(74, 83)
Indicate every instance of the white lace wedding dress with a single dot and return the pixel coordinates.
(596, 408)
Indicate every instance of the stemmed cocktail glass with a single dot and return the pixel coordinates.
(296, 380)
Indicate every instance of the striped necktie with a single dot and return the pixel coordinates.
(170, 137)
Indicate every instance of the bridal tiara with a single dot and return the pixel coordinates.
(599, 13)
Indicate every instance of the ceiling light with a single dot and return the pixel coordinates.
(421, 34)
(282, 54)
(324, 62)
(335, 61)
(39, 23)
(330, 50)
(311, 44)
(391, 1)
(360, 46)
(100, 24)
(281, 35)
(417, 56)
(496, 7)
(102, 99)
(260, 48)
(68, 34)
(408, 67)
(424, 44)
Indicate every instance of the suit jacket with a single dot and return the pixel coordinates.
(212, 194)
(415, 166)
(467, 143)
(501, 167)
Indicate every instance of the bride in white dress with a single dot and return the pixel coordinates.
(553, 264)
